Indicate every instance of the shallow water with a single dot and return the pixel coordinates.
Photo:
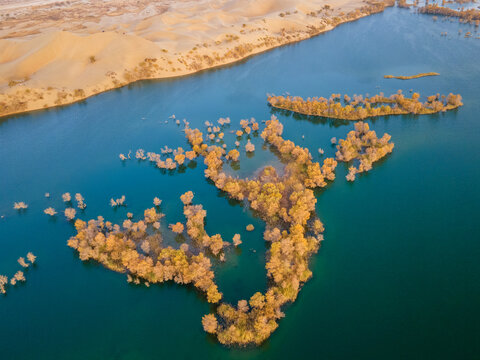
(397, 276)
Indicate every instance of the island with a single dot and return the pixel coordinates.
(360, 107)
(409, 77)
(468, 15)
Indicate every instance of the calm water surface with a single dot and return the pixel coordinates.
(397, 276)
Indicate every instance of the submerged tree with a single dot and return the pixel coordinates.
(468, 15)
(20, 205)
(249, 147)
(236, 240)
(50, 211)
(80, 201)
(3, 282)
(177, 228)
(364, 146)
(195, 215)
(22, 262)
(286, 203)
(119, 250)
(66, 197)
(210, 323)
(31, 257)
(70, 213)
(360, 108)
(118, 202)
(19, 276)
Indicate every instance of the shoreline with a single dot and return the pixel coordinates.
(19, 98)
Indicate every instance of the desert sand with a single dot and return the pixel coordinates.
(57, 52)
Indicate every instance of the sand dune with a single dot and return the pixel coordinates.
(55, 53)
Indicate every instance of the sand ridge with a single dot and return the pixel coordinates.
(56, 53)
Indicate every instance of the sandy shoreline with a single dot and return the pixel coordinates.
(57, 53)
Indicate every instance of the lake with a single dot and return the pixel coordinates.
(397, 277)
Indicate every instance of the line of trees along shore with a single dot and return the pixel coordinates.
(360, 108)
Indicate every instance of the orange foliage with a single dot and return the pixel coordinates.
(176, 228)
(469, 15)
(361, 108)
(195, 215)
(363, 145)
(286, 203)
(117, 250)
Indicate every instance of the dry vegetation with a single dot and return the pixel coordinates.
(33, 79)
(135, 249)
(468, 15)
(409, 77)
(363, 145)
(284, 201)
(359, 108)
(19, 276)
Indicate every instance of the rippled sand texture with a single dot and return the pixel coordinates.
(55, 53)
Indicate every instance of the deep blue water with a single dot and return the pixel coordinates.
(397, 276)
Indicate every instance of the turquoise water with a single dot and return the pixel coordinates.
(397, 276)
